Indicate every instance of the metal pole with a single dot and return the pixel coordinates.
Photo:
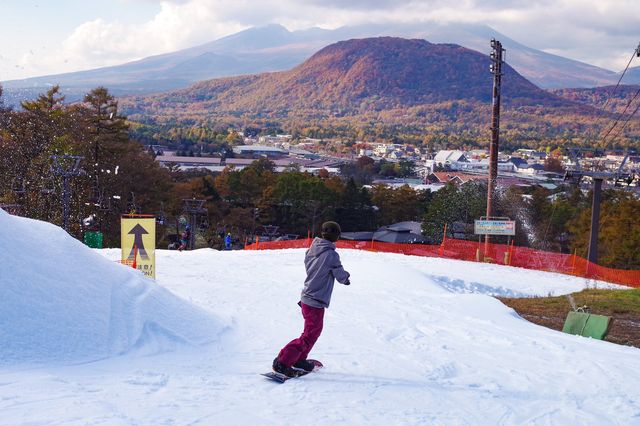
(67, 167)
(496, 70)
(592, 257)
(192, 235)
(66, 201)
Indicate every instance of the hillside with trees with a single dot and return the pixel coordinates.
(610, 98)
(120, 176)
(380, 88)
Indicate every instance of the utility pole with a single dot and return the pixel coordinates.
(66, 166)
(496, 70)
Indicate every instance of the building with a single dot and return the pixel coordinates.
(274, 140)
(481, 166)
(257, 151)
(456, 178)
(531, 153)
(446, 157)
(217, 164)
(530, 169)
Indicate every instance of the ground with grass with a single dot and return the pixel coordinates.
(622, 305)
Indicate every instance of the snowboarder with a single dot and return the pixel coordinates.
(323, 266)
(227, 241)
(184, 239)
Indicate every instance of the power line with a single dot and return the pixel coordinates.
(635, 53)
(604, 138)
(604, 107)
(628, 118)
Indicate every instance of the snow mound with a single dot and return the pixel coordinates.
(62, 302)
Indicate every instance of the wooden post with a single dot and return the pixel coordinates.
(444, 239)
(134, 265)
(511, 252)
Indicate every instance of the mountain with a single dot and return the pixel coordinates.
(632, 76)
(260, 49)
(274, 48)
(543, 69)
(353, 77)
(623, 98)
(387, 79)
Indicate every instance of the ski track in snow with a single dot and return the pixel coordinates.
(411, 341)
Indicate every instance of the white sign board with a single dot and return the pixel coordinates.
(495, 227)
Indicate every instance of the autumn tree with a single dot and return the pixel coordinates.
(452, 203)
(304, 200)
(119, 172)
(29, 138)
(553, 164)
(396, 204)
(355, 211)
(619, 236)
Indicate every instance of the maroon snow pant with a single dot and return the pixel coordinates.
(298, 349)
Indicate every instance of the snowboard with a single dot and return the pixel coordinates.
(281, 378)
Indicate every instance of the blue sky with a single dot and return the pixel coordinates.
(54, 36)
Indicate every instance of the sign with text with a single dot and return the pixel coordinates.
(495, 227)
(138, 242)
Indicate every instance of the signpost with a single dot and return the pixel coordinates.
(495, 227)
(138, 242)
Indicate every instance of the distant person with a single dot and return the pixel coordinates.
(323, 266)
(185, 238)
(227, 241)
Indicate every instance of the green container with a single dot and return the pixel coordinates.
(587, 325)
(93, 239)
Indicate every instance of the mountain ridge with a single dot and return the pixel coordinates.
(274, 48)
(352, 78)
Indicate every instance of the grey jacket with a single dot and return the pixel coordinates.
(323, 266)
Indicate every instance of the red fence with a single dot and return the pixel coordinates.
(503, 254)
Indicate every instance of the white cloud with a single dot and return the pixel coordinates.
(99, 43)
(599, 32)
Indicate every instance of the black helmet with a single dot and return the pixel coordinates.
(330, 231)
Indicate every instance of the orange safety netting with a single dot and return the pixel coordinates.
(522, 257)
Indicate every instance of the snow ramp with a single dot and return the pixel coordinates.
(62, 302)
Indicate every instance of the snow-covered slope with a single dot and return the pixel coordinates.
(62, 302)
(411, 341)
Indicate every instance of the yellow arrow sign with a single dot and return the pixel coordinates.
(138, 243)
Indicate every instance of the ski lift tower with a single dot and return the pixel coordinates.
(195, 208)
(576, 173)
(67, 167)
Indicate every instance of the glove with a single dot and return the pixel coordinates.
(347, 282)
